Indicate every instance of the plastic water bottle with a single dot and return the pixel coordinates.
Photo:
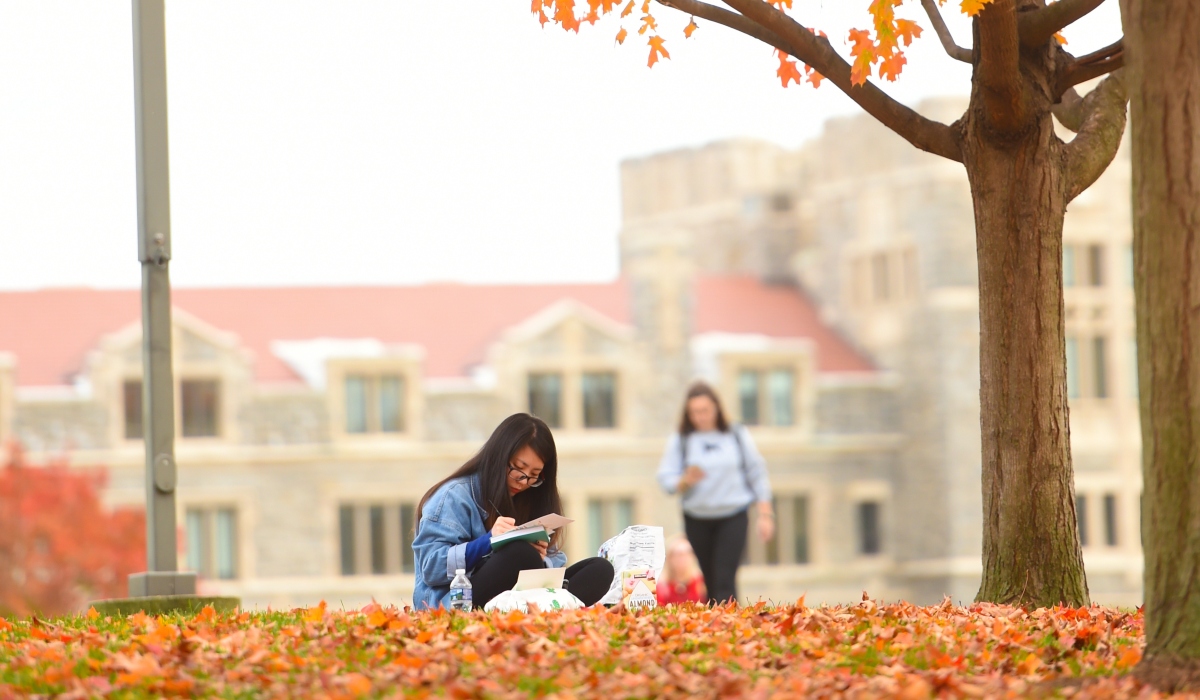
(460, 591)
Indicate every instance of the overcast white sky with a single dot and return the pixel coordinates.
(320, 142)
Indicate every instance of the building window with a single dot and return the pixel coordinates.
(599, 400)
(869, 528)
(912, 278)
(212, 542)
(767, 397)
(1095, 265)
(199, 399)
(790, 544)
(132, 401)
(1072, 367)
(374, 404)
(606, 518)
(799, 529)
(859, 282)
(1081, 521)
(1100, 365)
(1068, 266)
(545, 398)
(376, 538)
(880, 279)
(1110, 519)
(748, 396)
(391, 404)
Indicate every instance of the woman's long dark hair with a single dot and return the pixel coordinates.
(491, 463)
(699, 388)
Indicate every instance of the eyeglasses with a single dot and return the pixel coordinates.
(523, 478)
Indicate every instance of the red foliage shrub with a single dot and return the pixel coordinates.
(59, 545)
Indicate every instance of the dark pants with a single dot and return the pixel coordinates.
(587, 580)
(718, 544)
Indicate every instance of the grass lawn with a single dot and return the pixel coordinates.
(863, 650)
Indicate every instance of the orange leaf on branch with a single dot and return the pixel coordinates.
(788, 71)
(907, 30)
(691, 28)
(656, 49)
(971, 8)
(891, 66)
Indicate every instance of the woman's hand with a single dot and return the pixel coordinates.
(503, 525)
(766, 522)
(543, 548)
(691, 477)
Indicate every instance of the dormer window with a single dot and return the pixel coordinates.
(545, 397)
(374, 403)
(599, 400)
(131, 400)
(199, 402)
(766, 397)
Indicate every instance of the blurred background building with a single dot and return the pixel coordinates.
(830, 294)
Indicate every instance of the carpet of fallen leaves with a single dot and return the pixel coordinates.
(862, 650)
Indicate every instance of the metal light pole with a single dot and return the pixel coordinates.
(162, 577)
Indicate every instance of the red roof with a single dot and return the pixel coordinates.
(746, 305)
(51, 331)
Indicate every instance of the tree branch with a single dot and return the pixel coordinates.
(1069, 110)
(955, 51)
(732, 20)
(1093, 65)
(1090, 152)
(999, 69)
(787, 35)
(1037, 26)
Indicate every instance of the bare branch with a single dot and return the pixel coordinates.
(1069, 110)
(953, 50)
(816, 51)
(1089, 154)
(1037, 26)
(732, 20)
(1093, 65)
(998, 70)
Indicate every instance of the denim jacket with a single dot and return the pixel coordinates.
(452, 517)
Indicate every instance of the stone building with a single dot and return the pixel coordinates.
(881, 237)
(833, 306)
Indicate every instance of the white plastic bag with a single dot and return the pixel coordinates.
(636, 547)
(544, 598)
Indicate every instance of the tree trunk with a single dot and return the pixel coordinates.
(1031, 552)
(1163, 61)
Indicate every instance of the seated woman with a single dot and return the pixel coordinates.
(512, 480)
(681, 581)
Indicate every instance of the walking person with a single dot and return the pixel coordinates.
(512, 480)
(720, 474)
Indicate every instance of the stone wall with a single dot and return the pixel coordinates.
(59, 426)
(286, 418)
(848, 407)
(463, 416)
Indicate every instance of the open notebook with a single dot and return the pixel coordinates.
(538, 530)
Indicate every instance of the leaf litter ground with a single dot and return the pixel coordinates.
(858, 651)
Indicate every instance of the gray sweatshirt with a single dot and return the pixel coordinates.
(726, 488)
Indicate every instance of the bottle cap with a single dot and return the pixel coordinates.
(459, 571)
